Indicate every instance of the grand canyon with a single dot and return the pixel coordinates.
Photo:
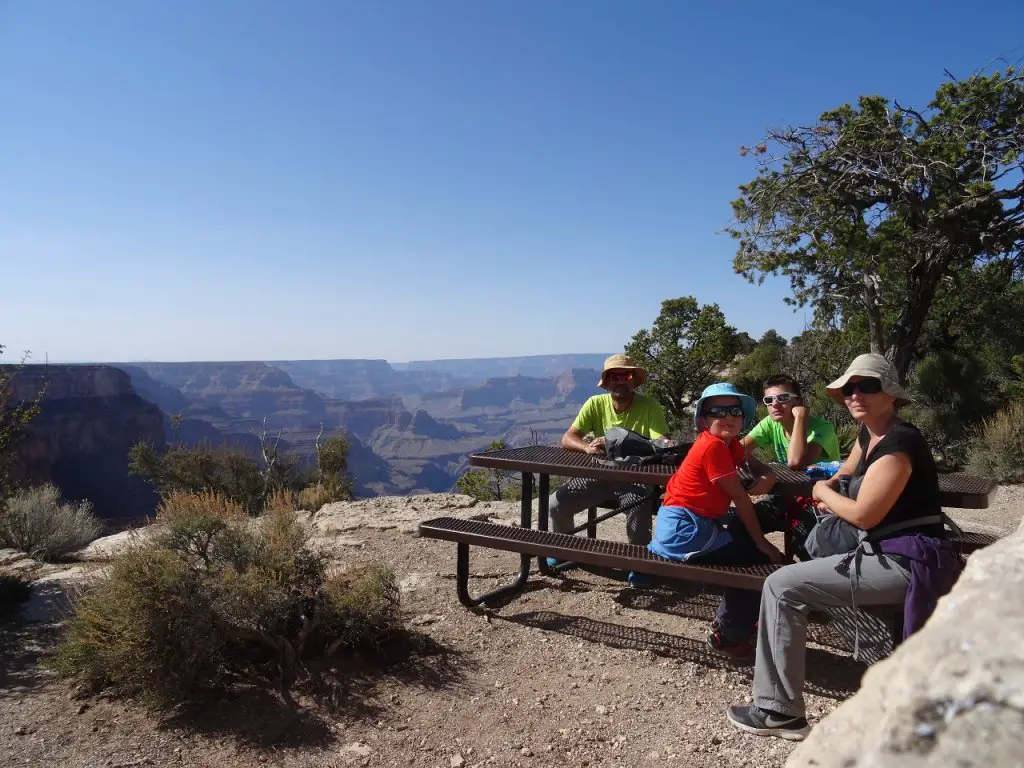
(411, 426)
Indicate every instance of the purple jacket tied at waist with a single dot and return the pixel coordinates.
(934, 569)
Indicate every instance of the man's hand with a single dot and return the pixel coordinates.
(596, 446)
(770, 551)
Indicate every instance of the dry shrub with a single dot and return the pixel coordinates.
(38, 521)
(221, 598)
(998, 447)
(283, 500)
(313, 497)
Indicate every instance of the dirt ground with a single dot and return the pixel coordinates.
(582, 671)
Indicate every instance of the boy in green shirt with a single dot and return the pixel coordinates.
(789, 432)
(791, 436)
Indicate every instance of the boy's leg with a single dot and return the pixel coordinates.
(738, 609)
(789, 595)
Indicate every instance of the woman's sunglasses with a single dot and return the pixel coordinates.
(781, 398)
(864, 386)
(722, 411)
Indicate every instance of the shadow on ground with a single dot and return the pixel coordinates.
(356, 687)
(828, 675)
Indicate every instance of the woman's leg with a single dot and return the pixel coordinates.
(788, 596)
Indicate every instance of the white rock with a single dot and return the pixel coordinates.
(457, 761)
(950, 695)
(108, 547)
(359, 748)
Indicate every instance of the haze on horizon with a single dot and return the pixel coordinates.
(411, 181)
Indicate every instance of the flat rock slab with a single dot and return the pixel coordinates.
(405, 513)
(108, 547)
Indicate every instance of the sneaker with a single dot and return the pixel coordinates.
(554, 562)
(764, 722)
(722, 646)
(638, 579)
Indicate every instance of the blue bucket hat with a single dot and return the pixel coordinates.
(727, 390)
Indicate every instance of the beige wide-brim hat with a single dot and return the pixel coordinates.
(622, 363)
(877, 367)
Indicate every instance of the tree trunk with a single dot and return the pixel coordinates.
(922, 285)
(872, 305)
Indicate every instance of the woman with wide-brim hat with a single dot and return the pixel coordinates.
(892, 509)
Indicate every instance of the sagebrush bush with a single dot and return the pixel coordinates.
(997, 449)
(38, 521)
(313, 497)
(15, 589)
(220, 598)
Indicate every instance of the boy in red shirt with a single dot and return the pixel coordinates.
(693, 524)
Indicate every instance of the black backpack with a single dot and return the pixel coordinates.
(624, 447)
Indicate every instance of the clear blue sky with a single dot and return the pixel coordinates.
(211, 180)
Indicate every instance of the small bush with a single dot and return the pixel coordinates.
(313, 497)
(38, 521)
(15, 589)
(221, 598)
(998, 447)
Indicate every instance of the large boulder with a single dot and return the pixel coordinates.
(953, 694)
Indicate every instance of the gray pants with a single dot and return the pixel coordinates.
(582, 493)
(789, 595)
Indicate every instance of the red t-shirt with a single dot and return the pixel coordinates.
(693, 485)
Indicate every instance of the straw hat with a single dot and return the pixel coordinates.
(876, 367)
(622, 363)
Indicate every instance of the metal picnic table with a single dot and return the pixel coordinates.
(956, 490)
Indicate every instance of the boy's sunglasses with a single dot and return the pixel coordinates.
(721, 411)
(781, 398)
(864, 386)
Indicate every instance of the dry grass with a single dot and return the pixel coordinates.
(39, 522)
(998, 449)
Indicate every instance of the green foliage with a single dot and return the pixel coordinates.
(38, 521)
(15, 589)
(490, 484)
(765, 359)
(218, 599)
(872, 209)
(998, 449)
(333, 482)
(688, 347)
(224, 470)
(15, 416)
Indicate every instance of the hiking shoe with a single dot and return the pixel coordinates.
(638, 579)
(554, 562)
(764, 722)
(722, 646)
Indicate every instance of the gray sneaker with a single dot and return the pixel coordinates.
(763, 722)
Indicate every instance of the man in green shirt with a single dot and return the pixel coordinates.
(624, 407)
(791, 436)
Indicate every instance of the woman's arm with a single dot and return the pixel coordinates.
(882, 485)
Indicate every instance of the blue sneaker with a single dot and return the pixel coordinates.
(638, 579)
(554, 562)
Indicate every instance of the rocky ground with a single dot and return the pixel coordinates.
(578, 671)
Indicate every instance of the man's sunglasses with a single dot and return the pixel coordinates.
(781, 398)
(722, 411)
(864, 386)
(620, 375)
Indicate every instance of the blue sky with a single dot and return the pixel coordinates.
(211, 180)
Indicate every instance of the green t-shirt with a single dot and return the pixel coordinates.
(768, 434)
(644, 416)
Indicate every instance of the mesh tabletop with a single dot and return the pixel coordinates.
(955, 489)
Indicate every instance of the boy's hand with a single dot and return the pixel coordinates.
(800, 411)
(770, 551)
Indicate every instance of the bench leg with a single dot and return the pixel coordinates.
(592, 523)
(525, 521)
